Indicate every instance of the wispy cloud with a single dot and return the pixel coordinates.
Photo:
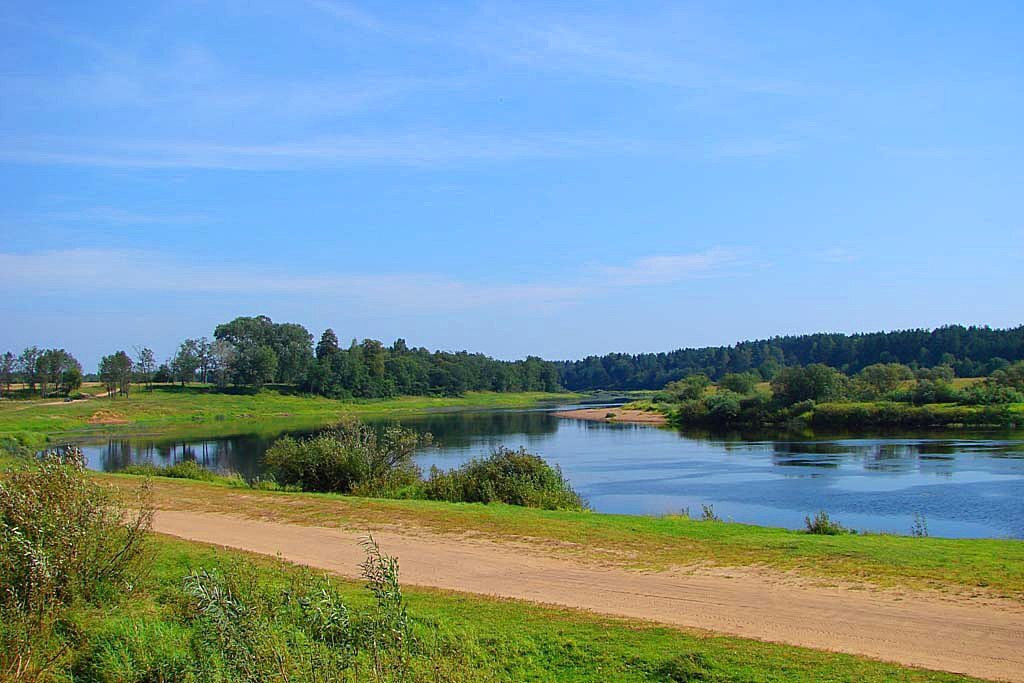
(410, 148)
(349, 14)
(670, 268)
(838, 255)
(675, 48)
(99, 270)
(118, 216)
(766, 147)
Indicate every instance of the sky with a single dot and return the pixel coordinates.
(551, 178)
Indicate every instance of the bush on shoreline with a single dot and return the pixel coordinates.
(507, 476)
(352, 458)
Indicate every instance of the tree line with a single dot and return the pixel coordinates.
(882, 394)
(254, 351)
(969, 351)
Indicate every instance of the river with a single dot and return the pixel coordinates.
(962, 484)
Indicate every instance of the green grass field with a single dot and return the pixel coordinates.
(465, 638)
(200, 412)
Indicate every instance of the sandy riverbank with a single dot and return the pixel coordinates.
(614, 415)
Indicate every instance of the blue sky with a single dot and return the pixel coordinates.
(550, 178)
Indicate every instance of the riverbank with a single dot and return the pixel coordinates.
(197, 411)
(971, 567)
(631, 415)
(466, 637)
(982, 638)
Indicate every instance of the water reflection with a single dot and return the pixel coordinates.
(971, 485)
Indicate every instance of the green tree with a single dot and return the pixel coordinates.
(8, 366)
(52, 365)
(881, 378)
(688, 388)
(740, 383)
(815, 382)
(145, 365)
(27, 366)
(186, 361)
(328, 344)
(116, 373)
(254, 366)
(1011, 376)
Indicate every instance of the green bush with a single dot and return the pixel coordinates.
(63, 540)
(742, 383)
(723, 406)
(186, 469)
(351, 458)
(507, 476)
(821, 524)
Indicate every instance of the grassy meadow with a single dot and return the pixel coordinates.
(199, 411)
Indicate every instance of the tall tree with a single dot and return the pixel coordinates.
(27, 366)
(51, 366)
(145, 364)
(186, 361)
(8, 366)
(328, 344)
(116, 373)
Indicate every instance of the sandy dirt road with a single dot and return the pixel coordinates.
(983, 638)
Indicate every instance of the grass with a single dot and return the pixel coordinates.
(201, 412)
(982, 566)
(481, 639)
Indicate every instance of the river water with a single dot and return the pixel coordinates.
(963, 484)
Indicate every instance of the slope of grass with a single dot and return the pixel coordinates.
(200, 411)
(989, 566)
(462, 638)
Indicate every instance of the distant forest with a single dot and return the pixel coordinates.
(969, 351)
(255, 351)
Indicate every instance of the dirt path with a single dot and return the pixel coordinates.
(613, 415)
(980, 638)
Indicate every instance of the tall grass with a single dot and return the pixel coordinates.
(63, 540)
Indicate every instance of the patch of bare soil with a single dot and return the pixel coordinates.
(107, 417)
(614, 415)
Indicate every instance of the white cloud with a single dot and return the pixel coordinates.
(100, 270)
(418, 148)
(118, 216)
(669, 268)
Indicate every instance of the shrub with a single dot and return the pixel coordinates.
(933, 391)
(708, 514)
(63, 539)
(815, 382)
(723, 406)
(990, 392)
(688, 388)
(243, 630)
(507, 476)
(186, 469)
(350, 457)
(741, 383)
(823, 525)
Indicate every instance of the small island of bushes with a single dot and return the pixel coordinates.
(819, 396)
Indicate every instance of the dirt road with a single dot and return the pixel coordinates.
(983, 638)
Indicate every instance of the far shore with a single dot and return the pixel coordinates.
(614, 415)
